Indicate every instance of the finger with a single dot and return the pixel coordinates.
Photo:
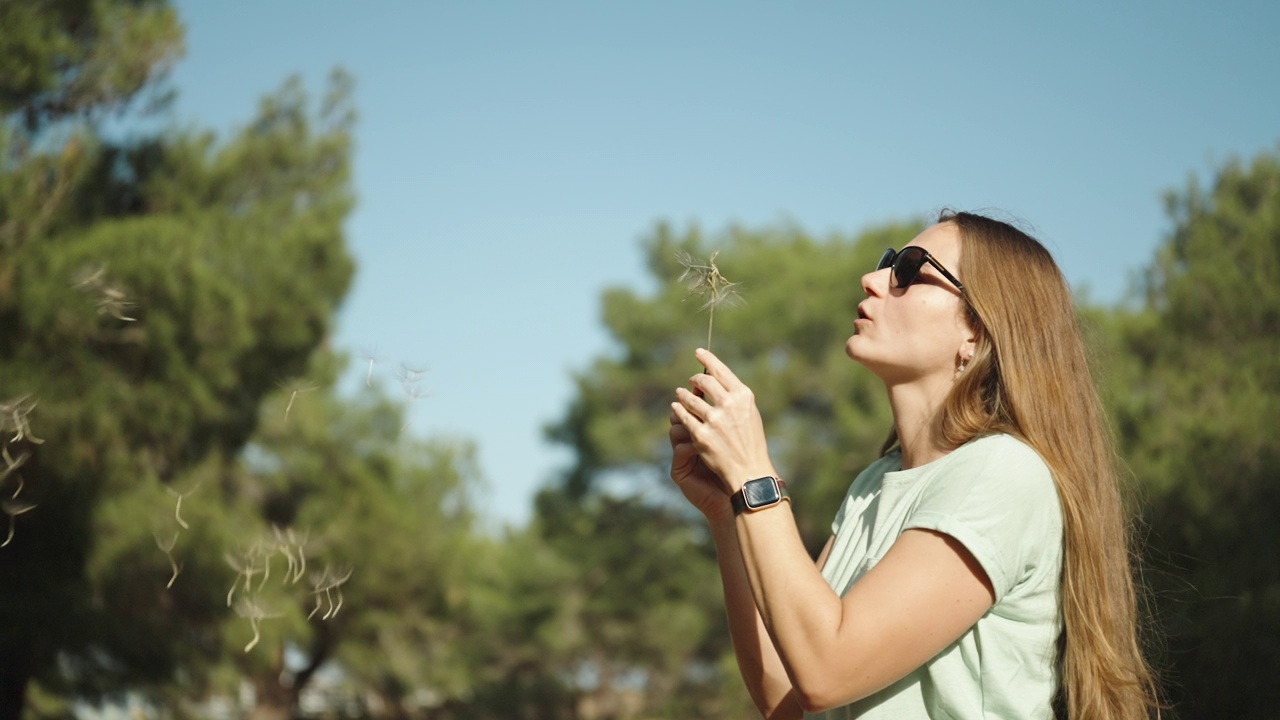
(707, 386)
(694, 404)
(684, 449)
(717, 369)
(684, 459)
(679, 434)
(687, 419)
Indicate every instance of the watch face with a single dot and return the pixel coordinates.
(761, 492)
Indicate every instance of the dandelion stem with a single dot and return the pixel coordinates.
(711, 321)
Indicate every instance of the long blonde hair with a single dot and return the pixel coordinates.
(1029, 377)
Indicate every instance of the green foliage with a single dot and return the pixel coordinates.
(366, 502)
(646, 621)
(76, 57)
(152, 296)
(1197, 401)
(173, 447)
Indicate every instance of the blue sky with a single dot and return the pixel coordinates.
(509, 156)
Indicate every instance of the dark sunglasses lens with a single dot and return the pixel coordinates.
(886, 260)
(907, 265)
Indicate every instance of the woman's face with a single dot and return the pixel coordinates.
(905, 334)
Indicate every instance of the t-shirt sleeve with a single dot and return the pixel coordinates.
(998, 499)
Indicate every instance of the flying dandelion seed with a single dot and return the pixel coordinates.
(246, 567)
(408, 375)
(15, 415)
(295, 390)
(14, 508)
(291, 563)
(177, 514)
(254, 612)
(315, 609)
(327, 584)
(166, 546)
(336, 608)
(705, 280)
(413, 393)
(89, 277)
(293, 547)
(110, 299)
(10, 462)
(372, 356)
(11, 465)
(177, 509)
(234, 583)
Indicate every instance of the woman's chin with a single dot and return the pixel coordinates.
(851, 348)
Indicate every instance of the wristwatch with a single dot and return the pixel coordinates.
(758, 494)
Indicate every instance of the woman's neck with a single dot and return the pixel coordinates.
(915, 411)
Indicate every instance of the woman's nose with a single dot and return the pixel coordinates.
(876, 282)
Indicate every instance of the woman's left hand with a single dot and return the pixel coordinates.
(724, 423)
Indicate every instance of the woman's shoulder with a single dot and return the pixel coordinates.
(1002, 463)
(1000, 450)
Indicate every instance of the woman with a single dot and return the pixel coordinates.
(980, 567)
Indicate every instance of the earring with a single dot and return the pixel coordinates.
(965, 362)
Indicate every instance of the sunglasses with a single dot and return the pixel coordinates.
(906, 264)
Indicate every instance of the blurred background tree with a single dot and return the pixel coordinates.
(174, 449)
(1195, 388)
(154, 292)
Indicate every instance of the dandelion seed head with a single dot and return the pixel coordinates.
(706, 280)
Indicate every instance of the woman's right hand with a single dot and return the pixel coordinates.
(701, 487)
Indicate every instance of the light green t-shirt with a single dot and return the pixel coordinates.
(996, 496)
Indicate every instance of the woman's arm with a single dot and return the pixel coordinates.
(925, 593)
(762, 671)
(758, 661)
